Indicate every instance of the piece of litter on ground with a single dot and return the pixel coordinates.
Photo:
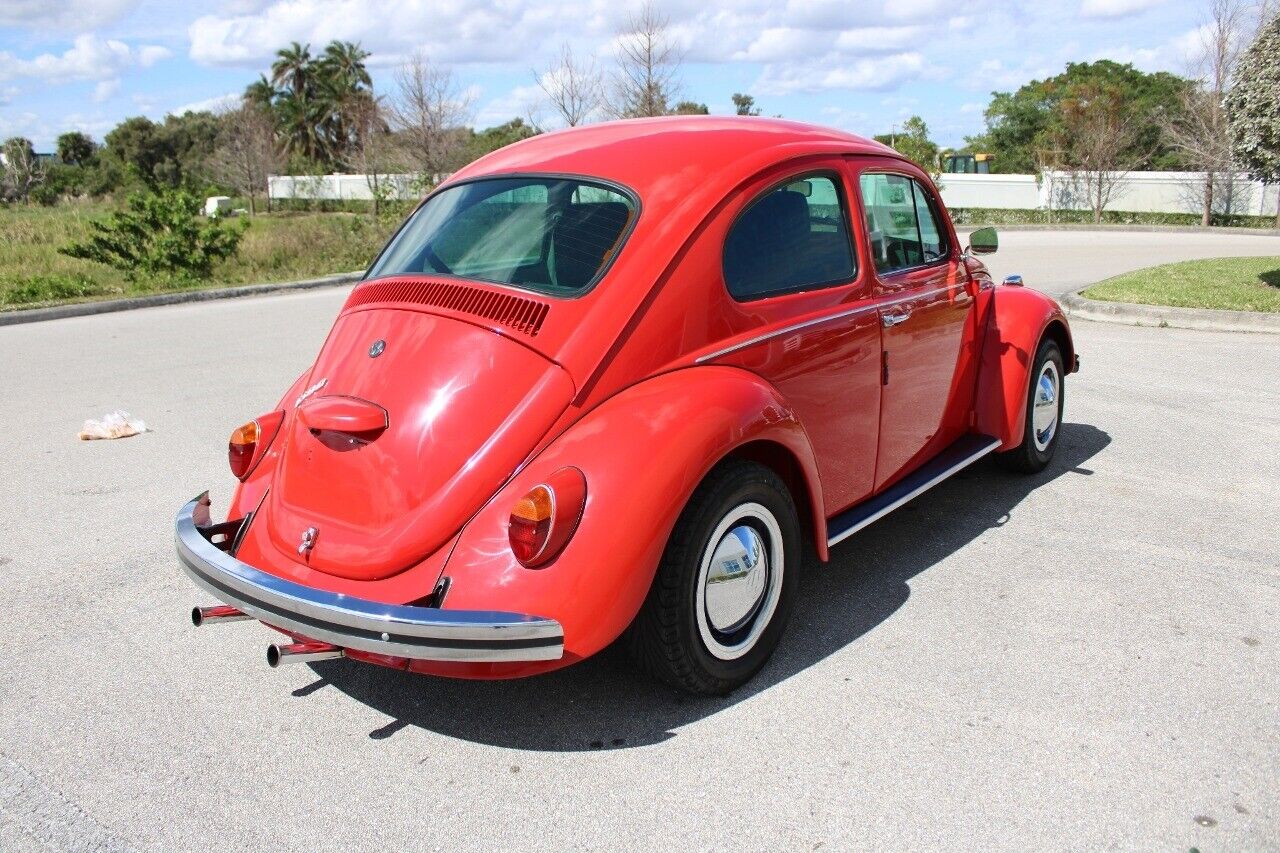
(117, 424)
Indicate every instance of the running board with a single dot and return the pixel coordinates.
(959, 454)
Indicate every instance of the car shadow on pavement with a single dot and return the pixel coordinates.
(603, 703)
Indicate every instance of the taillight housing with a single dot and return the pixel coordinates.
(545, 518)
(249, 443)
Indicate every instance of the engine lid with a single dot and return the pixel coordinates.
(410, 422)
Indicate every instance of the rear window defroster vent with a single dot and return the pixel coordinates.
(523, 315)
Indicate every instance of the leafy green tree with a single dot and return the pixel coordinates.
(492, 138)
(745, 105)
(160, 235)
(1253, 108)
(1022, 125)
(168, 154)
(691, 108)
(913, 142)
(76, 148)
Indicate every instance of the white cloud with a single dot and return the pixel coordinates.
(216, 104)
(868, 74)
(76, 15)
(105, 90)
(89, 58)
(7, 94)
(879, 39)
(1115, 8)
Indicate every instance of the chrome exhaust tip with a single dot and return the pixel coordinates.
(302, 653)
(212, 615)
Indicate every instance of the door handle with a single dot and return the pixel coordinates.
(890, 320)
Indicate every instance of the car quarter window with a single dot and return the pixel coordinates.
(903, 228)
(794, 237)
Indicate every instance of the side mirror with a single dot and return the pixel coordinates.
(984, 241)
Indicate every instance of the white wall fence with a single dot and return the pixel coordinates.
(342, 187)
(1136, 192)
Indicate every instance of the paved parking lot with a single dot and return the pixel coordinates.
(1086, 658)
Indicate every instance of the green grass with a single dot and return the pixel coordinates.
(974, 216)
(1236, 284)
(277, 247)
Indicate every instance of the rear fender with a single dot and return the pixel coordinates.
(643, 453)
(1017, 321)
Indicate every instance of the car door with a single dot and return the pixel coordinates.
(795, 278)
(926, 319)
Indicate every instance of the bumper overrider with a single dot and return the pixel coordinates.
(398, 630)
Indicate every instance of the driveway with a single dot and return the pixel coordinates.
(1086, 658)
(1058, 262)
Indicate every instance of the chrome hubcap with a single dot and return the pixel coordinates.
(736, 578)
(739, 581)
(1044, 414)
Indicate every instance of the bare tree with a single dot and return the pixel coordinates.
(1200, 132)
(1097, 136)
(430, 109)
(574, 88)
(21, 170)
(375, 151)
(646, 81)
(247, 153)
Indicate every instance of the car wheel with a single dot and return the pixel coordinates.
(1040, 427)
(726, 584)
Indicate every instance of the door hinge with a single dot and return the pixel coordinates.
(884, 367)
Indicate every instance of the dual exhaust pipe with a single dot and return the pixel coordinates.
(277, 654)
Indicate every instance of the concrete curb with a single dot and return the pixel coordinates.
(85, 309)
(1121, 227)
(1204, 319)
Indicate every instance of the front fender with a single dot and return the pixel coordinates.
(1016, 322)
(643, 453)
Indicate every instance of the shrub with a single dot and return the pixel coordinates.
(160, 234)
(47, 288)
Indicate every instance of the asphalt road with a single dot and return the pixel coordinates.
(1087, 658)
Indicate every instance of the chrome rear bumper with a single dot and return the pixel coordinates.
(400, 630)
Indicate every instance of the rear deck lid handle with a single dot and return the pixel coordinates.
(343, 414)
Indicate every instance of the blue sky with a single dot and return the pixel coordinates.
(862, 66)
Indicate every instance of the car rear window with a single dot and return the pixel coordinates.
(551, 235)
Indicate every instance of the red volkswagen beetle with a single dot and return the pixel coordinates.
(603, 383)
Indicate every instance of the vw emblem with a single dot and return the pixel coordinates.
(377, 348)
(308, 541)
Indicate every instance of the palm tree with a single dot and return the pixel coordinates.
(260, 92)
(293, 68)
(344, 62)
(340, 85)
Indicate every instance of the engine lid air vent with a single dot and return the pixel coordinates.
(517, 312)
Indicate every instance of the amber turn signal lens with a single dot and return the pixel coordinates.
(546, 517)
(244, 440)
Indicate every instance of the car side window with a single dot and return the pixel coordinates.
(902, 227)
(795, 237)
(932, 243)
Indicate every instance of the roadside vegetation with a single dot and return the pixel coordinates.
(1234, 284)
(275, 247)
(976, 216)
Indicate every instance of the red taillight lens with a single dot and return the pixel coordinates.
(244, 440)
(249, 443)
(546, 517)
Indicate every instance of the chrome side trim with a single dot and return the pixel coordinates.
(423, 633)
(926, 478)
(828, 318)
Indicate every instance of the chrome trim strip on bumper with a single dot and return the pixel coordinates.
(399, 630)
